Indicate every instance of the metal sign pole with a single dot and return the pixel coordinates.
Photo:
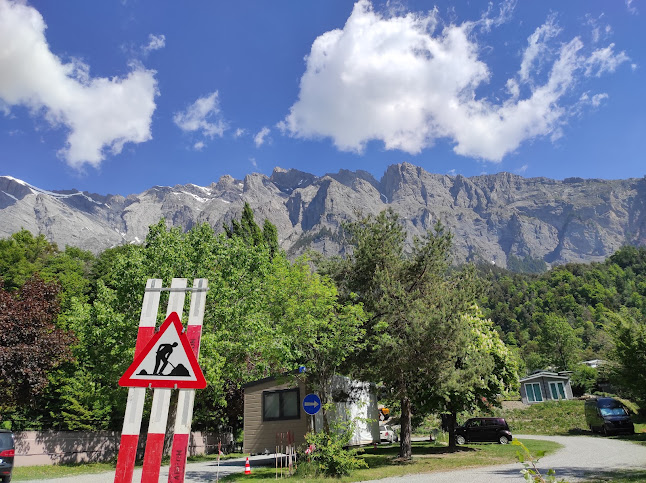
(137, 395)
(186, 397)
(161, 401)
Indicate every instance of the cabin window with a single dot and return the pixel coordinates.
(558, 390)
(534, 393)
(284, 404)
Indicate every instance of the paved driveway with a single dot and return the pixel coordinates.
(581, 457)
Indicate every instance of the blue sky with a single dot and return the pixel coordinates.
(115, 97)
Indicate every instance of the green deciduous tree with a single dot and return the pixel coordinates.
(236, 331)
(584, 379)
(559, 343)
(22, 255)
(484, 369)
(629, 356)
(312, 328)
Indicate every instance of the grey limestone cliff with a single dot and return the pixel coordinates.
(492, 217)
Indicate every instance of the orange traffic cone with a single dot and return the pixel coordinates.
(247, 467)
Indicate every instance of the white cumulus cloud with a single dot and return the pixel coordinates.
(100, 113)
(203, 116)
(261, 136)
(402, 80)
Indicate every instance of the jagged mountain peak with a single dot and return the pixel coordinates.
(287, 180)
(492, 217)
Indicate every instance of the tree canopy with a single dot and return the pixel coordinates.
(415, 305)
(404, 319)
(30, 343)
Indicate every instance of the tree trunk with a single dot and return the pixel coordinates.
(325, 391)
(453, 416)
(405, 450)
(326, 423)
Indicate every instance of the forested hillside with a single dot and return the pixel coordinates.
(576, 312)
(69, 320)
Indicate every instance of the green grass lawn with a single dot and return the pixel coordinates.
(427, 458)
(639, 437)
(23, 473)
(548, 418)
(560, 418)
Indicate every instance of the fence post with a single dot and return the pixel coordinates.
(137, 395)
(161, 401)
(186, 397)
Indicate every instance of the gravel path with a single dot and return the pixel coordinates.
(581, 457)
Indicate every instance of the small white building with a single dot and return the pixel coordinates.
(273, 406)
(545, 386)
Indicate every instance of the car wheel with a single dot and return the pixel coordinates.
(503, 439)
(605, 430)
(460, 439)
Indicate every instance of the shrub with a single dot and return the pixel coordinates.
(584, 380)
(329, 455)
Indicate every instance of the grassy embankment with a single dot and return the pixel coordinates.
(561, 418)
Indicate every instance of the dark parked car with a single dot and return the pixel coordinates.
(7, 452)
(608, 416)
(477, 430)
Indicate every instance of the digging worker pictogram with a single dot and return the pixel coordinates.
(161, 357)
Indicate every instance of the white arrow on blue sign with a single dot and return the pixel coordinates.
(311, 404)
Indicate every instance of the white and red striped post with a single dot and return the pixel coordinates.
(137, 395)
(186, 397)
(161, 400)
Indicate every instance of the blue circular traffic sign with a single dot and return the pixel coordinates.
(311, 404)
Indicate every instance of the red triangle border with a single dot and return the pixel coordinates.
(200, 383)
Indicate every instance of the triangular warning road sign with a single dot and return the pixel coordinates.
(166, 361)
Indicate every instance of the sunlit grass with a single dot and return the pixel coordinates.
(427, 458)
(23, 473)
(550, 417)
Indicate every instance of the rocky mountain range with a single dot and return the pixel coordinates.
(493, 217)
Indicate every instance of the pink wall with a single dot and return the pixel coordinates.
(52, 447)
